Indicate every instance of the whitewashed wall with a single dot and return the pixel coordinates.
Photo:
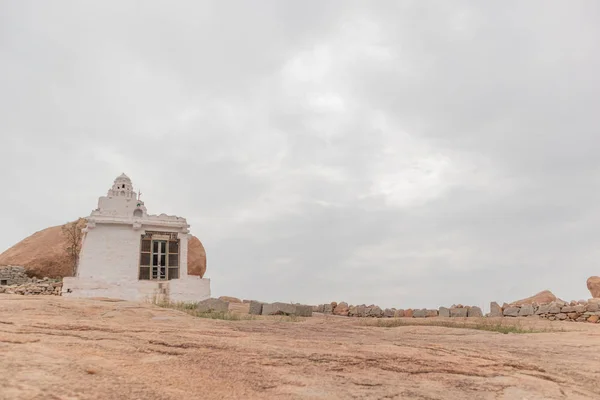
(109, 265)
(111, 252)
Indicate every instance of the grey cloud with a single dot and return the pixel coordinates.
(197, 102)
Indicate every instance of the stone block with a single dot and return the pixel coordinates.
(256, 307)
(458, 312)
(388, 313)
(303, 310)
(444, 312)
(431, 313)
(561, 316)
(279, 309)
(399, 313)
(592, 307)
(362, 311)
(567, 309)
(495, 309)
(420, 313)
(526, 310)
(375, 312)
(213, 305)
(573, 315)
(327, 309)
(408, 313)
(511, 311)
(341, 309)
(554, 308)
(474, 312)
(579, 308)
(543, 309)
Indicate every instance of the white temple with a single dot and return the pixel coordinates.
(131, 255)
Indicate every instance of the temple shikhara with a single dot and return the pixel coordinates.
(129, 254)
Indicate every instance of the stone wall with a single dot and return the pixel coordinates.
(34, 286)
(12, 275)
(578, 311)
(373, 311)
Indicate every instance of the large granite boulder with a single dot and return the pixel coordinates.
(196, 257)
(593, 285)
(542, 297)
(213, 305)
(341, 309)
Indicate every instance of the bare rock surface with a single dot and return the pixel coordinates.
(89, 349)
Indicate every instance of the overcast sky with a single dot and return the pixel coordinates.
(407, 154)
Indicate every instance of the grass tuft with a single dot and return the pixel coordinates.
(191, 308)
(490, 326)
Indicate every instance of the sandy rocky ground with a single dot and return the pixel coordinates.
(57, 348)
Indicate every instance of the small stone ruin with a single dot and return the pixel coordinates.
(558, 310)
(14, 280)
(12, 275)
(373, 311)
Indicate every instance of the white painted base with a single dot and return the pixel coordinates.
(187, 289)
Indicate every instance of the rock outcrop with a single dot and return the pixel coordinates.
(44, 254)
(542, 297)
(593, 285)
(196, 257)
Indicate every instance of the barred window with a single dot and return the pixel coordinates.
(159, 256)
